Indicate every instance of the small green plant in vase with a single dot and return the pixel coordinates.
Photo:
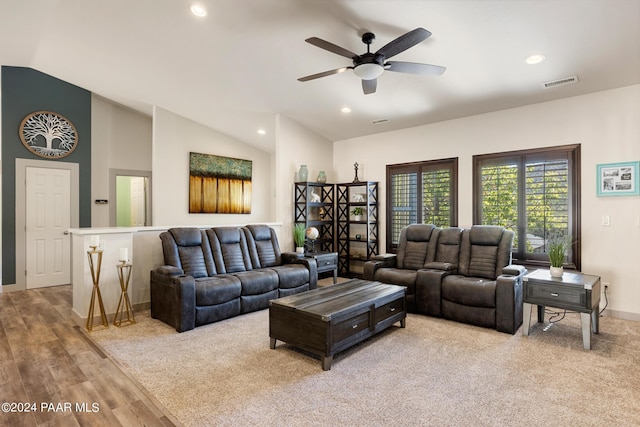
(299, 231)
(357, 213)
(557, 252)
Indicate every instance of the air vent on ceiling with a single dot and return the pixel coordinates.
(561, 82)
(380, 121)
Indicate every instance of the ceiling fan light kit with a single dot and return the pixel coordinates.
(369, 66)
(368, 71)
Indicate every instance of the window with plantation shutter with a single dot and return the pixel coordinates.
(423, 193)
(535, 193)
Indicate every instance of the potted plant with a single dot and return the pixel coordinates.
(299, 231)
(357, 213)
(557, 251)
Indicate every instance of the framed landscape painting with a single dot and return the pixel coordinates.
(618, 179)
(219, 184)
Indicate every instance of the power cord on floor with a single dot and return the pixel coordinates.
(556, 316)
(606, 300)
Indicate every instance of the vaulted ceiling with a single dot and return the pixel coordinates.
(236, 68)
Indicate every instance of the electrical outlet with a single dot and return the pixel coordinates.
(606, 286)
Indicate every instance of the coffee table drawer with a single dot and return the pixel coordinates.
(388, 310)
(549, 294)
(350, 326)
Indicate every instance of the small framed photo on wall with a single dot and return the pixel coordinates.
(618, 179)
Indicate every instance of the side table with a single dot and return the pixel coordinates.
(326, 261)
(573, 291)
(124, 304)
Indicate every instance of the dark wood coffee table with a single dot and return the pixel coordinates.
(328, 320)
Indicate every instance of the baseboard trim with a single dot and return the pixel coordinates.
(625, 315)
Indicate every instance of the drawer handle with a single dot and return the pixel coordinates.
(554, 294)
(355, 326)
(392, 309)
(327, 263)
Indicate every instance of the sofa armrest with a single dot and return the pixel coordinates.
(309, 263)
(170, 270)
(514, 270)
(429, 291)
(376, 262)
(173, 298)
(509, 303)
(444, 266)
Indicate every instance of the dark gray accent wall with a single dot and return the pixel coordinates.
(24, 91)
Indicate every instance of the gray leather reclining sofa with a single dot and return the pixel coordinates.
(217, 273)
(458, 274)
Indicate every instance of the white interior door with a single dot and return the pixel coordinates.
(138, 201)
(48, 218)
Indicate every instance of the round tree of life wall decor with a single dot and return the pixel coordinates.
(49, 135)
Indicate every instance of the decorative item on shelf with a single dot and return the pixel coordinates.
(303, 173)
(557, 251)
(322, 177)
(312, 234)
(315, 198)
(357, 213)
(359, 198)
(355, 166)
(322, 213)
(299, 232)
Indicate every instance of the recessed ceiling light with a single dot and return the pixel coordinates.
(534, 59)
(262, 131)
(345, 109)
(198, 10)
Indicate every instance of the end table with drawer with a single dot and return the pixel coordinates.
(573, 291)
(326, 261)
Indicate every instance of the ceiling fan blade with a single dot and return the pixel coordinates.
(324, 74)
(414, 68)
(404, 42)
(323, 44)
(369, 86)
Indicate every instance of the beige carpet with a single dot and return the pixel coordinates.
(434, 372)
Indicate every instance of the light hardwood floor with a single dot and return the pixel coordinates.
(47, 362)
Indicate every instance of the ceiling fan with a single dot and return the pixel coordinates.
(369, 66)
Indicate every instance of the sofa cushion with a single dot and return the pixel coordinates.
(232, 246)
(291, 275)
(449, 245)
(257, 282)
(191, 251)
(483, 261)
(413, 246)
(217, 290)
(263, 246)
(469, 291)
(398, 276)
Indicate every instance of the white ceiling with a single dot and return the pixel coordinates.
(235, 69)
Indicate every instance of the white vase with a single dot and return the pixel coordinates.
(556, 271)
(300, 250)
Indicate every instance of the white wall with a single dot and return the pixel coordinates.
(606, 124)
(120, 139)
(295, 146)
(174, 137)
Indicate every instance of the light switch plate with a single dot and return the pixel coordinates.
(605, 220)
